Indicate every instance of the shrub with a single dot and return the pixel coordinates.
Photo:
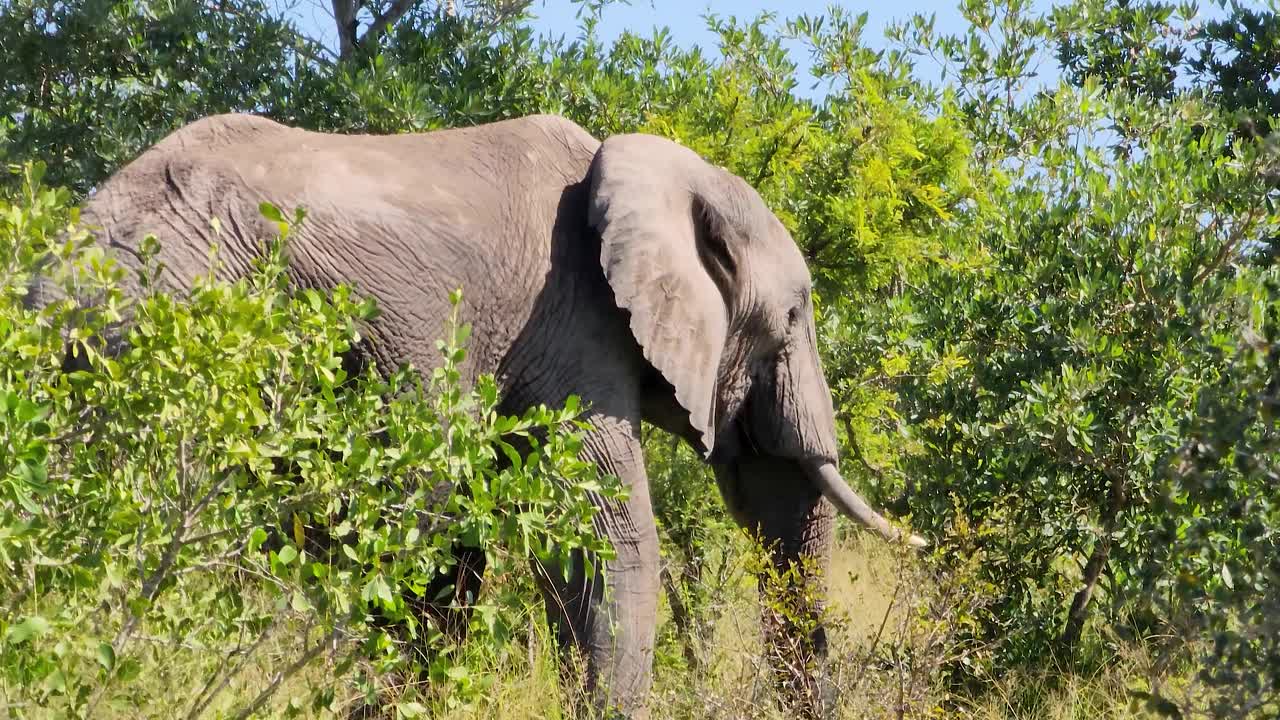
(1092, 395)
(220, 505)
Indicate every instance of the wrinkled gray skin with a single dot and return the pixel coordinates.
(631, 272)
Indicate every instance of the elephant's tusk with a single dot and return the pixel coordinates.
(828, 480)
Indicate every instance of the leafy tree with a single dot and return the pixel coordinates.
(1218, 510)
(1159, 49)
(379, 16)
(90, 84)
(1057, 384)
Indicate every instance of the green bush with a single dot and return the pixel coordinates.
(1090, 397)
(219, 505)
(1218, 513)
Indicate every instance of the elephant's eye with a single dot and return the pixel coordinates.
(793, 316)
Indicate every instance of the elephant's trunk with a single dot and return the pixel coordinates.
(827, 479)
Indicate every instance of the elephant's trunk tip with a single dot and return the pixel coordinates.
(834, 488)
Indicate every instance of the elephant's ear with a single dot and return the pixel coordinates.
(666, 250)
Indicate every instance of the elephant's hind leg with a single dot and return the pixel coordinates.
(448, 599)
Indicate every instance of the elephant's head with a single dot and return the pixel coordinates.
(719, 301)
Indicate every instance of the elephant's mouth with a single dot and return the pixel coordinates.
(753, 479)
(821, 473)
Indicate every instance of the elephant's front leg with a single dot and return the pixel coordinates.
(610, 618)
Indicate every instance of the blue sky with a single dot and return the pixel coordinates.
(684, 17)
(685, 20)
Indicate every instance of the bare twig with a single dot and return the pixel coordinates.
(151, 585)
(307, 47)
(875, 642)
(202, 701)
(302, 661)
(1228, 247)
(682, 618)
(856, 450)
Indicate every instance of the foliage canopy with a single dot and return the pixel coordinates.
(1049, 312)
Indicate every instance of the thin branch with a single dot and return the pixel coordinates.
(856, 450)
(875, 642)
(306, 46)
(1228, 247)
(1116, 496)
(151, 585)
(202, 700)
(391, 16)
(287, 673)
(682, 618)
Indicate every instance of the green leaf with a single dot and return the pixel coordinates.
(106, 656)
(410, 710)
(32, 627)
(378, 589)
(130, 669)
(256, 538)
(287, 555)
(271, 212)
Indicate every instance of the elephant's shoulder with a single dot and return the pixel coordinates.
(208, 146)
(556, 123)
(219, 131)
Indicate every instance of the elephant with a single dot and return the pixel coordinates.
(630, 272)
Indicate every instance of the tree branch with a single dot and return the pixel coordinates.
(1116, 494)
(307, 47)
(1229, 245)
(344, 16)
(302, 661)
(395, 12)
(682, 618)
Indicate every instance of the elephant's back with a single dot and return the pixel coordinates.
(455, 181)
(404, 218)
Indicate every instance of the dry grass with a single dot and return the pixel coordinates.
(883, 660)
(888, 629)
(1054, 695)
(871, 591)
